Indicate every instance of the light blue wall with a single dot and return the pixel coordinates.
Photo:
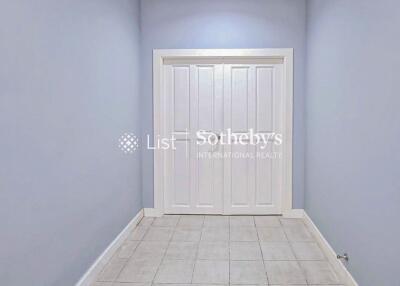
(68, 89)
(353, 133)
(224, 24)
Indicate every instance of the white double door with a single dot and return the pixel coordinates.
(225, 178)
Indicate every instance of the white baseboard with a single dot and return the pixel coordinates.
(339, 267)
(293, 213)
(90, 276)
(152, 212)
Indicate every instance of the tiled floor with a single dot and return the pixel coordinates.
(218, 250)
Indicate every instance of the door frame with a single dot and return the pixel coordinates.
(160, 55)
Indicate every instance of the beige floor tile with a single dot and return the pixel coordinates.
(241, 221)
(289, 222)
(175, 271)
(193, 221)
(213, 250)
(127, 248)
(195, 251)
(130, 284)
(102, 284)
(112, 269)
(247, 272)
(259, 284)
(215, 234)
(181, 251)
(271, 234)
(319, 272)
(277, 251)
(139, 270)
(245, 250)
(298, 233)
(267, 221)
(216, 221)
(186, 234)
(187, 284)
(211, 272)
(284, 272)
(159, 234)
(148, 250)
(307, 251)
(243, 233)
(172, 284)
(138, 233)
(146, 221)
(166, 221)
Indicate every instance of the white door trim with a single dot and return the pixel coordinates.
(159, 56)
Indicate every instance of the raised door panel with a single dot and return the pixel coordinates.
(181, 98)
(181, 174)
(178, 172)
(208, 117)
(239, 98)
(265, 124)
(264, 97)
(239, 117)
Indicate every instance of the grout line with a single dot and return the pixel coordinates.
(229, 249)
(210, 259)
(197, 250)
(165, 252)
(291, 248)
(127, 259)
(262, 255)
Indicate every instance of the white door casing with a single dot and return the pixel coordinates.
(215, 90)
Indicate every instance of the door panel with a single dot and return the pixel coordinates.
(240, 196)
(239, 99)
(206, 97)
(264, 179)
(264, 98)
(181, 98)
(252, 177)
(195, 93)
(181, 167)
(205, 176)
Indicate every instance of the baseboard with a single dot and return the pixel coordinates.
(152, 212)
(339, 267)
(293, 213)
(90, 276)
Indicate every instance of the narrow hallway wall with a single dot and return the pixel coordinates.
(353, 132)
(68, 90)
